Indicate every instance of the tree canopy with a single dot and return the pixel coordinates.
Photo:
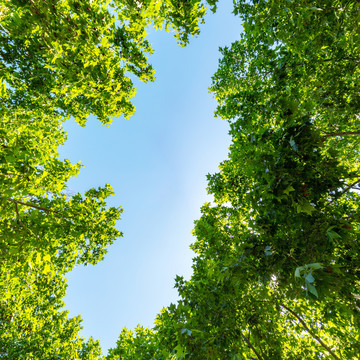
(276, 273)
(62, 59)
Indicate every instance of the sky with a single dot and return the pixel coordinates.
(157, 162)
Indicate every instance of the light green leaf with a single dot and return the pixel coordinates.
(288, 190)
(297, 271)
(268, 251)
(305, 207)
(47, 257)
(314, 8)
(46, 269)
(179, 352)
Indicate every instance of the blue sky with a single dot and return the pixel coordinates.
(157, 164)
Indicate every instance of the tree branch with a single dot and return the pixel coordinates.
(342, 133)
(344, 191)
(12, 175)
(17, 212)
(309, 331)
(30, 205)
(348, 188)
(251, 346)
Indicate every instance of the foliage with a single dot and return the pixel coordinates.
(276, 274)
(77, 58)
(62, 59)
(32, 324)
(139, 344)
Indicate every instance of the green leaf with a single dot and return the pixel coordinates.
(268, 251)
(46, 269)
(293, 144)
(315, 266)
(312, 289)
(47, 257)
(13, 250)
(288, 190)
(309, 278)
(305, 207)
(332, 235)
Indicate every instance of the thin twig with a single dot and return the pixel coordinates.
(348, 188)
(342, 133)
(251, 346)
(10, 175)
(17, 212)
(310, 332)
(31, 205)
(344, 191)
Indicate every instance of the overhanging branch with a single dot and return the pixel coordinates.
(341, 133)
(302, 322)
(251, 346)
(16, 202)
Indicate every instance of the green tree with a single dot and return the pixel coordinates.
(76, 58)
(276, 272)
(62, 59)
(139, 344)
(276, 275)
(32, 324)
